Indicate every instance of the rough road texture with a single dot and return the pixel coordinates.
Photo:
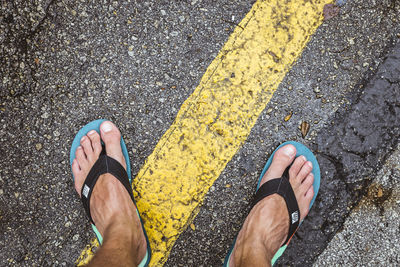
(371, 234)
(133, 62)
(350, 153)
(343, 55)
(20, 22)
(216, 119)
(64, 63)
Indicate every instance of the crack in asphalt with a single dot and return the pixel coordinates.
(20, 37)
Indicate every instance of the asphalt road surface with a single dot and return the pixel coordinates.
(64, 63)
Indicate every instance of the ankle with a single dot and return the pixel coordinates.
(119, 227)
(249, 251)
(263, 232)
(126, 234)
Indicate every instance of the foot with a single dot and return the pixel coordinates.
(266, 227)
(111, 207)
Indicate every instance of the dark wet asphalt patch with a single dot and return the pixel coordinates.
(350, 152)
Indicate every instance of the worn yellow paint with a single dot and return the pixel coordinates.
(217, 118)
(87, 253)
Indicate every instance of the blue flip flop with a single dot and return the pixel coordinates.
(99, 168)
(282, 187)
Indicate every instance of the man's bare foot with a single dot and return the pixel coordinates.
(267, 225)
(111, 207)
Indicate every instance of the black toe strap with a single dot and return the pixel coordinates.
(282, 187)
(104, 164)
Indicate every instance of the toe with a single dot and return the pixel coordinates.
(282, 159)
(308, 197)
(304, 195)
(96, 143)
(307, 183)
(304, 172)
(112, 140)
(76, 170)
(296, 166)
(86, 144)
(309, 194)
(80, 156)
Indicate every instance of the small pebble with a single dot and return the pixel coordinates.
(45, 115)
(38, 146)
(75, 237)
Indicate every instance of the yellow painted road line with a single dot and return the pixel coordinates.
(216, 119)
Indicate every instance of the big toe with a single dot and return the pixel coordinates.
(111, 137)
(283, 157)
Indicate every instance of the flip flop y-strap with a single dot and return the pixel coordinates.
(104, 164)
(282, 187)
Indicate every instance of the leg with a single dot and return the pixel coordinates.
(111, 208)
(266, 227)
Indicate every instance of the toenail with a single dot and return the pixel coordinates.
(309, 164)
(83, 138)
(303, 158)
(79, 147)
(289, 151)
(91, 132)
(106, 127)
